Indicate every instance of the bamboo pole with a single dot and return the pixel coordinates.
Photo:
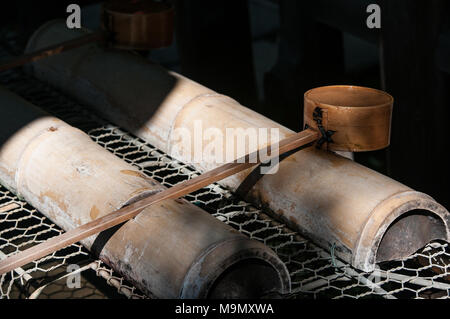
(73, 181)
(119, 216)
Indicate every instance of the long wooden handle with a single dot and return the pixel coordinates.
(53, 49)
(130, 211)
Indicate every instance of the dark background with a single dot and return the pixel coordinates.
(267, 53)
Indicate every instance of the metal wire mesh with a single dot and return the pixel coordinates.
(314, 272)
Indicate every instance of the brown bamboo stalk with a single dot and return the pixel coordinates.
(119, 216)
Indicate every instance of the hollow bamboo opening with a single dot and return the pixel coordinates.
(408, 233)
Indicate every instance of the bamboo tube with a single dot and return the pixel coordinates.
(171, 249)
(364, 216)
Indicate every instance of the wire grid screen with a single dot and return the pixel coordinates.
(314, 272)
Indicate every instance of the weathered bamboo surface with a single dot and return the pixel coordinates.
(72, 180)
(334, 201)
(132, 210)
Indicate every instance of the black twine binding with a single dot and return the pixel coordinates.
(326, 135)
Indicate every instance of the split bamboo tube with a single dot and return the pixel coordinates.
(171, 249)
(363, 216)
